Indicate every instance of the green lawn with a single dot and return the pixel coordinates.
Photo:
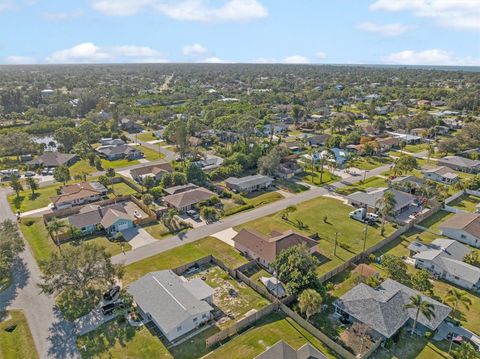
(247, 345)
(122, 189)
(363, 185)
(18, 342)
(313, 177)
(150, 154)
(83, 166)
(116, 339)
(146, 136)
(290, 185)
(25, 201)
(184, 254)
(369, 162)
(416, 148)
(42, 245)
(312, 214)
(158, 230)
(467, 202)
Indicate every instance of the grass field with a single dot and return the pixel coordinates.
(416, 148)
(83, 166)
(467, 202)
(17, 343)
(313, 177)
(184, 254)
(25, 201)
(312, 214)
(150, 154)
(42, 245)
(251, 201)
(363, 185)
(370, 162)
(146, 136)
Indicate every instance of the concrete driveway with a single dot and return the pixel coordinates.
(92, 321)
(226, 236)
(138, 237)
(195, 223)
(446, 328)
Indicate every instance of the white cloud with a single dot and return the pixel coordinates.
(186, 10)
(194, 50)
(264, 60)
(455, 14)
(214, 60)
(321, 55)
(6, 5)
(62, 16)
(20, 60)
(387, 30)
(296, 59)
(90, 53)
(429, 57)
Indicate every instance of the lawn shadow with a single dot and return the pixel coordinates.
(34, 196)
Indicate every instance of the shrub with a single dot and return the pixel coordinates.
(29, 222)
(239, 209)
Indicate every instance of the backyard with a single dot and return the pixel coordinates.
(15, 338)
(325, 217)
(466, 202)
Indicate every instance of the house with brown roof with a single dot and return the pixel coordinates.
(387, 143)
(184, 200)
(265, 249)
(155, 171)
(78, 194)
(51, 159)
(463, 227)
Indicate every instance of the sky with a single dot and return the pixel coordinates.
(406, 32)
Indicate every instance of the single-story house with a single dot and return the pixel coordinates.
(249, 183)
(108, 141)
(111, 218)
(463, 227)
(174, 304)
(183, 201)
(265, 249)
(53, 159)
(180, 188)
(113, 153)
(282, 350)
(387, 143)
(419, 131)
(412, 180)
(458, 163)
(370, 198)
(209, 162)
(441, 174)
(407, 138)
(78, 193)
(278, 128)
(154, 171)
(288, 169)
(383, 308)
(129, 125)
(444, 257)
(318, 140)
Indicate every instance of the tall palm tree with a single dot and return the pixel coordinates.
(110, 173)
(456, 297)
(54, 227)
(386, 207)
(325, 157)
(421, 306)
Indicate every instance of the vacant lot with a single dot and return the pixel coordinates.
(325, 217)
(369, 162)
(17, 341)
(313, 177)
(371, 182)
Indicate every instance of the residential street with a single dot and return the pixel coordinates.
(201, 232)
(53, 336)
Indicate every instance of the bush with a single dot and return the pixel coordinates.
(239, 209)
(29, 222)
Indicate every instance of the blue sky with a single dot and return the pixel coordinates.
(411, 32)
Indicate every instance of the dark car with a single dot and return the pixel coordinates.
(108, 309)
(112, 293)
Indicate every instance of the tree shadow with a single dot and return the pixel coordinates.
(62, 339)
(20, 276)
(34, 196)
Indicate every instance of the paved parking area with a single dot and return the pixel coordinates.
(137, 237)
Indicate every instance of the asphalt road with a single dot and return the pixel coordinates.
(243, 217)
(53, 336)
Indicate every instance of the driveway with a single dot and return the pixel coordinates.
(195, 223)
(226, 236)
(37, 212)
(92, 321)
(138, 237)
(446, 328)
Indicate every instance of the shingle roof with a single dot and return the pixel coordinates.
(371, 197)
(248, 181)
(282, 350)
(52, 159)
(468, 222)
(165, 297)
(112, 216)
(383, 309)
(160, 167)
(188, 198)
(114, 150)
(459, 161)
(78, 191)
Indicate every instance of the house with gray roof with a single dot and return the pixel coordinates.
(174, 304)
(282, 350)
(249, 183)
(50, 159)
(459, 163)
(441, 174)
(184, 198)
(384, 310)
(463, 227)
(370, 198)
(116, 152)
(444, 257)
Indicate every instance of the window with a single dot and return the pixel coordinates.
(179, 328)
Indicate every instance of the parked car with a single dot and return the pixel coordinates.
(193, 214)
(108, 309)
(112, 293)
(30, 174)
(45, 172)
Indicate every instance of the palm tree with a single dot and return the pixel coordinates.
(54, 227)
(310, 302)
(456, 297)
(111, 174)
(325, 157)
(421, 306)
(386, 207)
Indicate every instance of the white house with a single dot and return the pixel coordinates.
(441, 174)
(174, 304)
(463, 227)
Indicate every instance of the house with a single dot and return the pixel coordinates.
(288, 169)
(175, 305)
(384, 310)
(318, 140)
(112, 218)
(463, 227)
(113, 153)
(108, 141)
(407, 182)
(462, 164)
(129, 125)
(387, 143)
(444, 257)
(295, 146)
(340, 156)
(371, 197)
(249, 183)
(367, 128)
(274, 286)
(441, 174)
(180, 188)
(184, 200)
(154, 171)
(405, 137)
(209, 162)
(282, 350)
(265, 249)
(47, 93)
(276, 129)
(78, 194)
(53, 159)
